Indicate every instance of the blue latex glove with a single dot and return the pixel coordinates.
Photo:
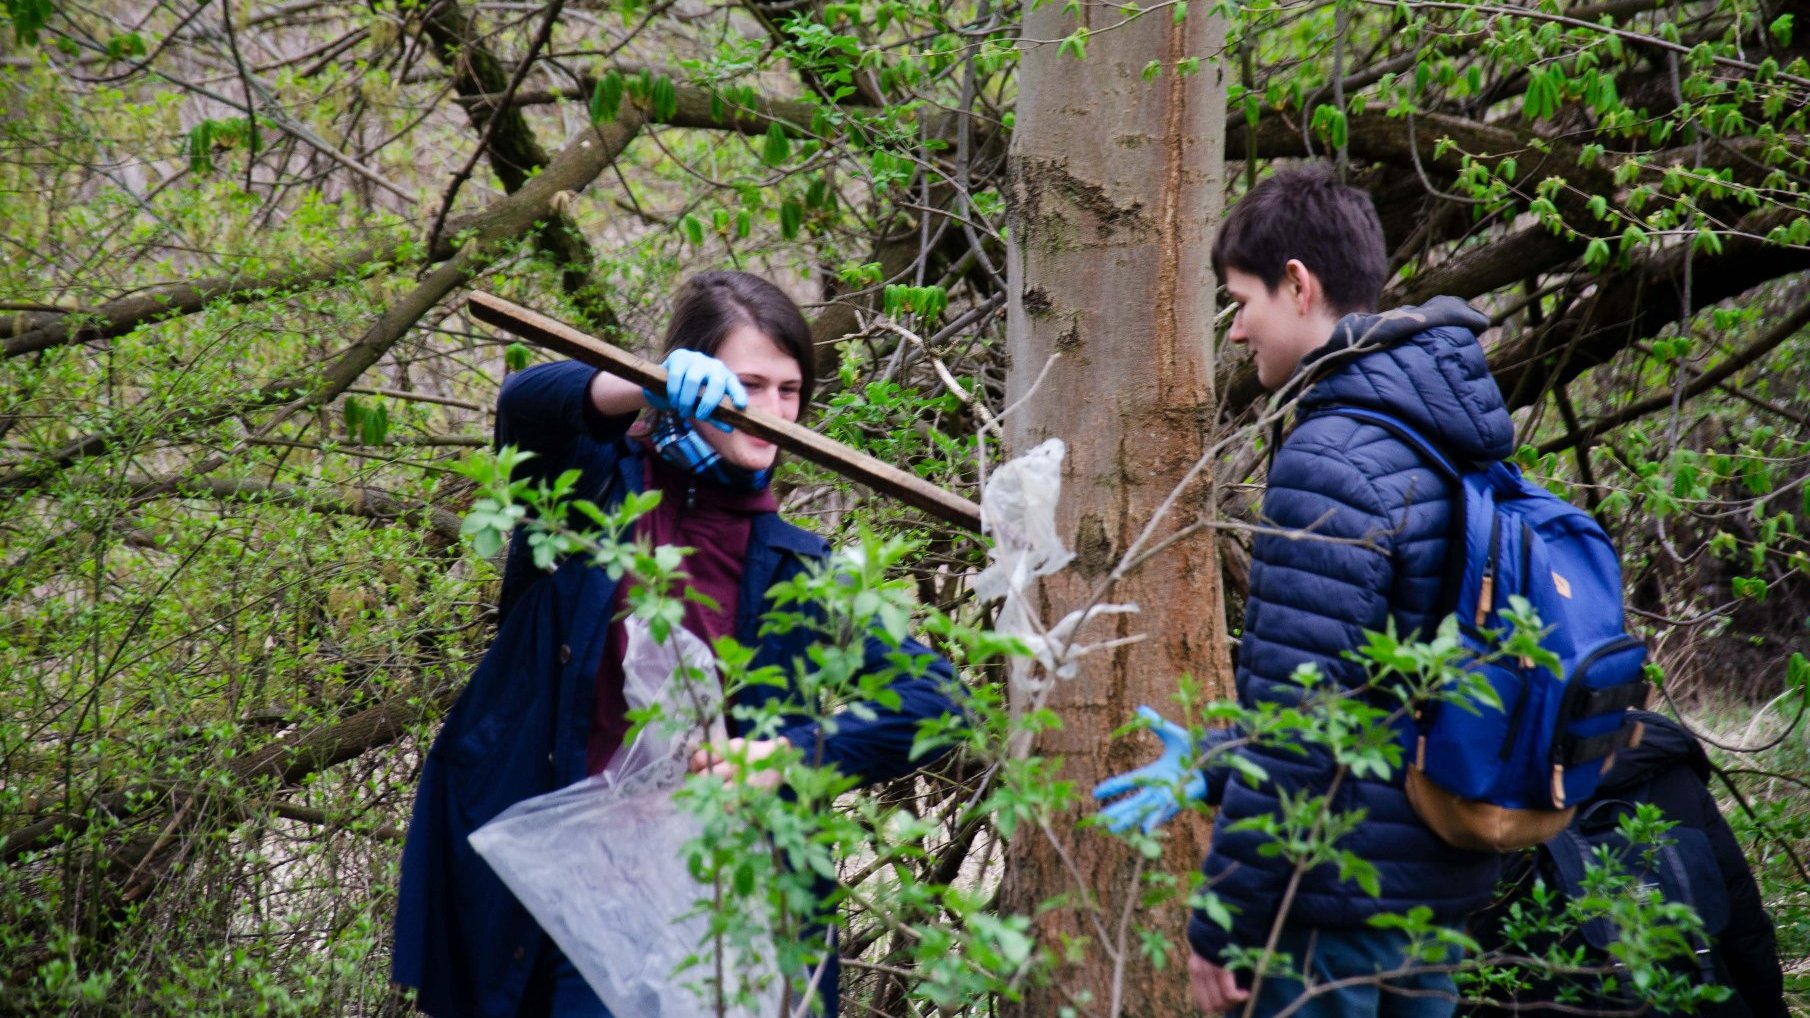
(1153, 786)
(695, 384)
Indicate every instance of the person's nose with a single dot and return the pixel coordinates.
(769, 399)
(1236, 333)
(765, 398)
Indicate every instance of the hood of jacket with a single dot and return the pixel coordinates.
(1664, 744)
(1423, 365)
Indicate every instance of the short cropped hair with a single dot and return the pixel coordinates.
(1306, 213)
(711, 304)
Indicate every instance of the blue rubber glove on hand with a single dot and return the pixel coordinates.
(695, 384)
(1154, 785)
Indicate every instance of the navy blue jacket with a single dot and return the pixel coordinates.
(520, 727)
(1310, 601)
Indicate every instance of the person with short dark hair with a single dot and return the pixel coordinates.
(546, 707)
(1356, 533)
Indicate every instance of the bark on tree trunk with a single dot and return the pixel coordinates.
(1116, 185)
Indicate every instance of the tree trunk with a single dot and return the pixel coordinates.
(1116, 185)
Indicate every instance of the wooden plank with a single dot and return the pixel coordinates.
(857, 466)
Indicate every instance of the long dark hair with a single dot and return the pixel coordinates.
(711, 304)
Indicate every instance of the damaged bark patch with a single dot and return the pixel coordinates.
(1036, 302)
(1094, 554)
(1044, 177)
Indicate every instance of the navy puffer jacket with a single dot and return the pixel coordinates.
(1312, 600)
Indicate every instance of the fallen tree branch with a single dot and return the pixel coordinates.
(1764, 344)
(585, 156)
(171, 300)
(515, 154)
(1637, 303)
(284, 763)
(348, 500)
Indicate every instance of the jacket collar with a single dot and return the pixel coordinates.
(772, 532)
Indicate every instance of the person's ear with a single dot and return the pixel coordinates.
(1305, 284)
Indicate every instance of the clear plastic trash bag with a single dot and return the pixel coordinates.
(600, 864)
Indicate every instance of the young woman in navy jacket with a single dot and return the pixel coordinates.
(545, 709)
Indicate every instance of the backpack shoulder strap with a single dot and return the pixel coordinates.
(1453, 581)
(1402, 430)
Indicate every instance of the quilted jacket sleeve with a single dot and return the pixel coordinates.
(1321, 575)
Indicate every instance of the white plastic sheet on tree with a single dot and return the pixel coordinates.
(1018, 509)
(601, 863)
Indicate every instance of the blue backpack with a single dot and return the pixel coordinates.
(1504, 779)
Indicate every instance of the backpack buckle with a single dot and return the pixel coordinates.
(1558, 786)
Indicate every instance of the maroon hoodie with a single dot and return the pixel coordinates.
(696, 514)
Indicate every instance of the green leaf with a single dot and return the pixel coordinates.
(664, 97)
(1596, 255)
(1781, 29)
(1329, 122)
(201, 147)
(777, 148)
(374, 427)
(128, 46)
(693, 228)
(1536, 102)
(28, 18)
(606, 98)
(516, 356)
(1750, 587)
(1152, 69)
(486, 541)
(1075, 45)
(791, 217)
(1216, 910)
